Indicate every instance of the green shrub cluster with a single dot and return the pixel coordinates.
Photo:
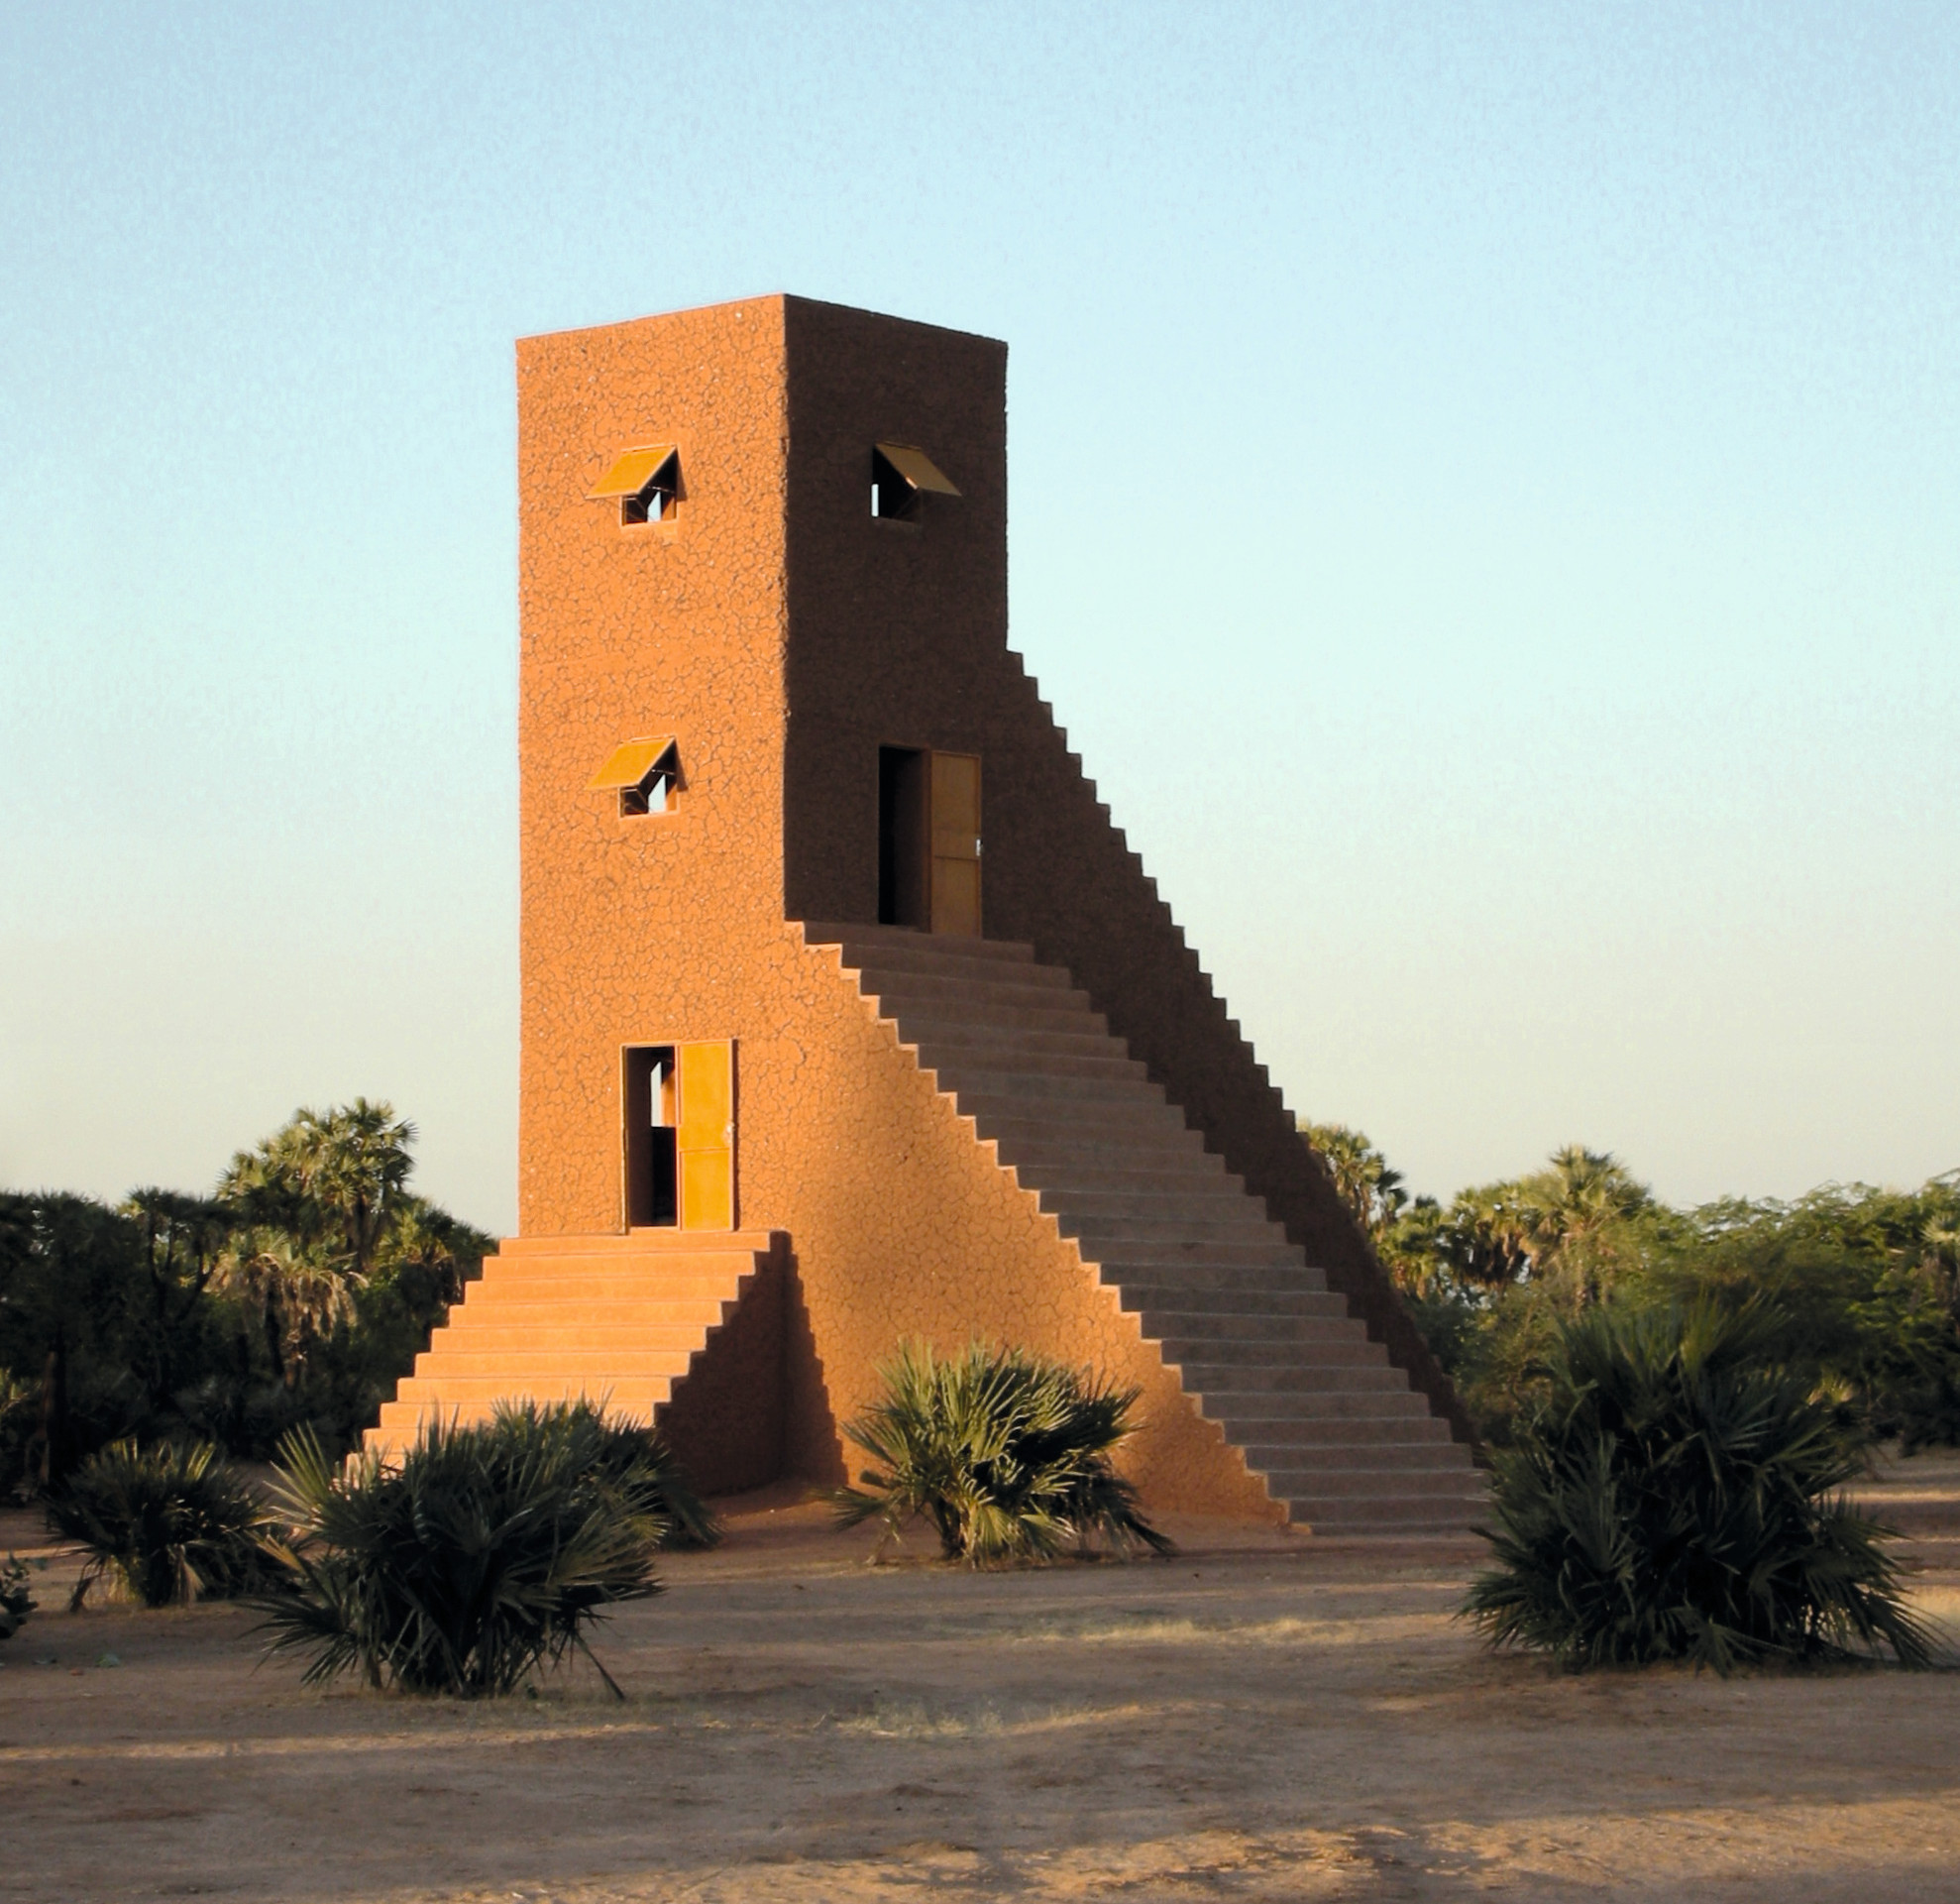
(488, 1552)
(1863, 1284)
(1675, 1493)
(298, 1292)
(1006, 1454)
(162, 1526)
(16, 1602)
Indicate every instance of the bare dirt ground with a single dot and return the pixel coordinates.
(1268, 1717)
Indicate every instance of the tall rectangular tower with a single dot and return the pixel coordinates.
(848, 1014)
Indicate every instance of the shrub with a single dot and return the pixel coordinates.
(16, 1602)
(1007, 1455)
(620, 1447)
(1675, 1497)
(484, 1555)
(163, 1524)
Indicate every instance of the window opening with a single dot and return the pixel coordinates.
(655, 791)
(645, 773)
(646, 481)
(654, 502)
(900, 476)
(653, 1199)
(903, 872)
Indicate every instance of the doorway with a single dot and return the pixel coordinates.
(902, 873)
(680, 1136)
(929, 839)
(653, 1199)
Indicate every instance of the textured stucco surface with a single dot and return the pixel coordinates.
(783, 634)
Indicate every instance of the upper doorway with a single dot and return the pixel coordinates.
(929, 839)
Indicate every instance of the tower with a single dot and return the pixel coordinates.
(848, 1014)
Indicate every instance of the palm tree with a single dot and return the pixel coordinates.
(1576, 1215)
(1362, 1178)
(315, 1202)
(183, 1238)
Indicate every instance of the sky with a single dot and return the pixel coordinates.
(1485, 504)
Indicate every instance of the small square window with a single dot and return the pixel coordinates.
(900, 475)
(645, 774)
(654, 793)
(646, 482)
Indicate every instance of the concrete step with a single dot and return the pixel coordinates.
(1380, 1519)
(1419, 1489)
(641, 1242)
(1015, 989)
(1311, 1435)
(1266, 1452)
(1206, 1370)
(1020, 1072)
(1193, 1220)
(1315, 1416)
(1198, 1199)
(633, 1335)
(594, 1365)
(878, 966)
(1181, 1171)
(1227, 1390)
(1198, 1284)
(1051, 1123)
(1073, 1087)
(1124, 1256)
(1060, 1146)
(1217, 1342)
(1165, 1299)
(638, 1395)
(1052, 1016)
(946, 1037)
(527, 1284)
(871, 939)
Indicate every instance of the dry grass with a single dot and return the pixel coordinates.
(1265, 1717)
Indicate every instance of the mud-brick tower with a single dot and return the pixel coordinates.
(848, 1014)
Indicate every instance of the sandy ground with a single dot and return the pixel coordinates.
(1268, 1717)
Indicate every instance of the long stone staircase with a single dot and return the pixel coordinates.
(619, 1318)
(1260, 1343)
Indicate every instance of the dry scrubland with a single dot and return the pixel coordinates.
(1268, 1717)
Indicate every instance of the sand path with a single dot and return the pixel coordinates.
(1265, 1717)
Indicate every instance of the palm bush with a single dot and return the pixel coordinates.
(163, 1524)
(1008, 1456)
(1676, 1496)
(619, 1446)
(488, 1553)
(16, 1602)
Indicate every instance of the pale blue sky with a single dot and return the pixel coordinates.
(1485, 504)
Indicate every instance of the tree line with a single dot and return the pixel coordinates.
(295, 1294)
(1865, 1283)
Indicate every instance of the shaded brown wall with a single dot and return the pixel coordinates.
(898, 633)
(674, 927)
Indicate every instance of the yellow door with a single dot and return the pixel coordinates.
(705, 1134)
(956, 842)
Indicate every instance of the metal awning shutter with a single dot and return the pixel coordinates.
(633, 471)
(630, 762)
(916, 468)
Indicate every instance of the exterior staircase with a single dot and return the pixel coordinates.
(619, 1318)
(1260, 1342)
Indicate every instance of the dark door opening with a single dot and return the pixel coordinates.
(652, 1171)
(903, 872)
